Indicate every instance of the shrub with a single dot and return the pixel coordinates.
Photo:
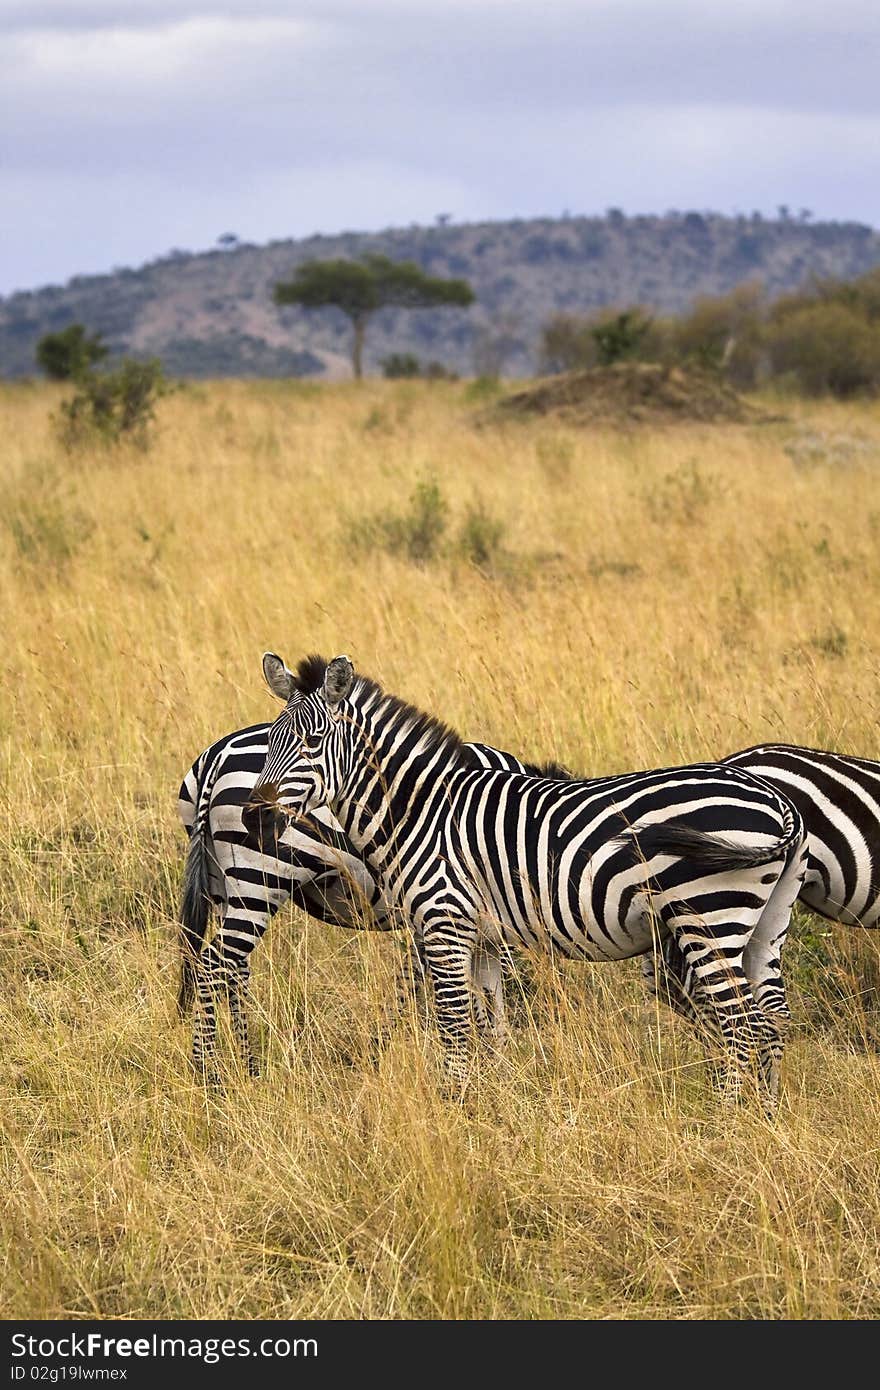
(567, 343)
(66, 355)
(480, 537)
(436, 371)
(401, 364)
(112, 406)
(620, 336)
(417, 534)
(419, 531)
(572, 342)
(825, 348)
(723, 333)
(483, 388)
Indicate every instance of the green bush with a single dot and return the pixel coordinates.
(723, 333)
(406, 365)
(567, 344)
(401, 364)
(416, 534)
(620, 337)
(483, 388)
(66, 355)
(825, 348)
(480, 538)
(422, 534)
(822, 340)
(572, 342)
(112, 406)
(419, 531)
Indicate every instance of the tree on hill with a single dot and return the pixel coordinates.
(360, 288)
(69, 353)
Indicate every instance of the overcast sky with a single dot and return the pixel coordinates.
(128, 127)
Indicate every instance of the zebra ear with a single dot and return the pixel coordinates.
(338, 680)
(276, 675)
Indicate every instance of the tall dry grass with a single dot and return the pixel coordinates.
(656, 597)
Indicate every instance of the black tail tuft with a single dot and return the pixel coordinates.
(194, 908)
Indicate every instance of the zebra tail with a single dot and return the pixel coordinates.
(194, 910)
(713, 851)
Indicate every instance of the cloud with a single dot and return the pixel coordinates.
(327, 114)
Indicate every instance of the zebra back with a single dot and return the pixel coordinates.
(838, 797)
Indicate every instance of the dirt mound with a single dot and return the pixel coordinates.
(630, 393)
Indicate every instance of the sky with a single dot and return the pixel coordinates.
(131, 127)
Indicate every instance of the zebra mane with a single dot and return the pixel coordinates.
(309, 677)
(554, 772)
(430, 731)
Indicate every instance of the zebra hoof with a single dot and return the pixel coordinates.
(363, 1058)
(207, 1077)
(454, 1087)
(346, 1058)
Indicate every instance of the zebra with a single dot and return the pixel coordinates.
(838, 797)
(593, 870)
(248, 877)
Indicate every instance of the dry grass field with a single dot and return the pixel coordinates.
(654, 597)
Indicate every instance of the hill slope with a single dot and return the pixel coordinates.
(211, 314)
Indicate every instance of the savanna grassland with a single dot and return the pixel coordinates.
(612, 599)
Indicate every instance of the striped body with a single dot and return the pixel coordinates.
(593, 870)
(247, 879)
(838, 797)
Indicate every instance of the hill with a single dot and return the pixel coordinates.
(211, 313)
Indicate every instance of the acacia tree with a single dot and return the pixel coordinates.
(360, 288)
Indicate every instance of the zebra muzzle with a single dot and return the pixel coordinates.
(262, 815)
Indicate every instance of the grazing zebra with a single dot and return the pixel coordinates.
(838, 798)
(247, 878)
(247, 882)
(596, 870)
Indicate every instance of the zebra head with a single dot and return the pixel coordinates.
(306, 745)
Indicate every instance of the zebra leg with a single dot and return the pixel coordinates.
(238, 978)
(411, 979)
(235, 940)
(448, 946)
(488, 983)
(409, 990)
(666, 975)
(224, 967)
(209, 970)
(762, 962)
(722, 988)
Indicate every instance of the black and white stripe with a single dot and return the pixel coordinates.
(247, 878)
(838, 797)
(596, 870)
(247, 881)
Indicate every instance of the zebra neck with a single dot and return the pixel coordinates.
(403, 767)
